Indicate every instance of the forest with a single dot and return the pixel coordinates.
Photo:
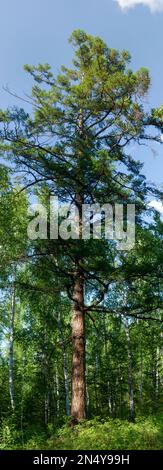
(80, 316)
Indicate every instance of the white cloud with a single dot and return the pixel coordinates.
(154, 5)
(156, 205)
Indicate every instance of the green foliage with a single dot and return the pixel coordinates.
(9, 435)
(144, 434)
(111, 434)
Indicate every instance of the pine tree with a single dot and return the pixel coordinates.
(75, 145)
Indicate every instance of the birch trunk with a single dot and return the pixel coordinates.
(130, 383)
(11, 350)
(65, 364)
(57, 392)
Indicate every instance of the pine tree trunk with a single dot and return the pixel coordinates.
(11, 351)
(78, 403)
(78, 391)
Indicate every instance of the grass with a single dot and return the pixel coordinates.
(145, 434)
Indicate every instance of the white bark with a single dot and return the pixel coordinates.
(130, 381)
(65, 364)
(11, 350)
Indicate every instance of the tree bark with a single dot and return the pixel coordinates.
(65, 364)
(57, 392)
(131, 393)
(78, 391)
(78, 403)
(46, 403)
(11, 350)
(141, 373)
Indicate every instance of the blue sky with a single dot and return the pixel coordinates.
(37, 31)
